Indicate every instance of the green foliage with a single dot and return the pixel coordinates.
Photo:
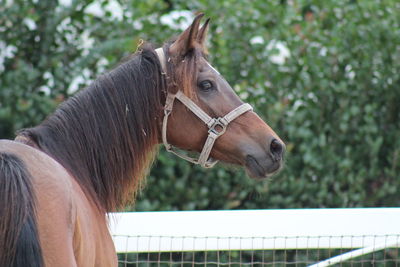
(334, 98)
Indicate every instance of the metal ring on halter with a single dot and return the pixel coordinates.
(216, 126)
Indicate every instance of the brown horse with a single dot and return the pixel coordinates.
(58, 180)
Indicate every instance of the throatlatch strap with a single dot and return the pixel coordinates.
(216, 126)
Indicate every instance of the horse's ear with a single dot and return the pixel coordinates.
(188, 39)
(201, 38)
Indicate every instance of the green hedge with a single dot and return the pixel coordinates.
(334, 99)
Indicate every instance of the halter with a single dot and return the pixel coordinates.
(216, 126)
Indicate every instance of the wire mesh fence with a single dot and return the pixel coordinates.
(317, 238)
(388, 257)
(291, 256)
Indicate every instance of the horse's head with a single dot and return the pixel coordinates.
(206, 114)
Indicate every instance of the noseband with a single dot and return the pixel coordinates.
(216, 126)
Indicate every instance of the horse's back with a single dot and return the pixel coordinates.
(72, 232)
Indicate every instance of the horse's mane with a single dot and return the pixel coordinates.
(106, 135)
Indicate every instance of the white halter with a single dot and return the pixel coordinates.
(216, 126)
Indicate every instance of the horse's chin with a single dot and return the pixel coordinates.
(258, 166)
(261, 169)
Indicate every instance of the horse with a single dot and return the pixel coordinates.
(59, 179)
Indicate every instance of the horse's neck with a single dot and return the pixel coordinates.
(106, 136)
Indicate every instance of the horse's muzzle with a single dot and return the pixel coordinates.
(263, 165)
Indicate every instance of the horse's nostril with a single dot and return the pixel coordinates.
(276, 148)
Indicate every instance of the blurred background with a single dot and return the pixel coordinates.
(323, 74)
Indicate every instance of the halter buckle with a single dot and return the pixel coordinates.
(218, 127)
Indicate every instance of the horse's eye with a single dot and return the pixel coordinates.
(206, 85)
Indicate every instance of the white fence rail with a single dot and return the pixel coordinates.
(255, 229)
